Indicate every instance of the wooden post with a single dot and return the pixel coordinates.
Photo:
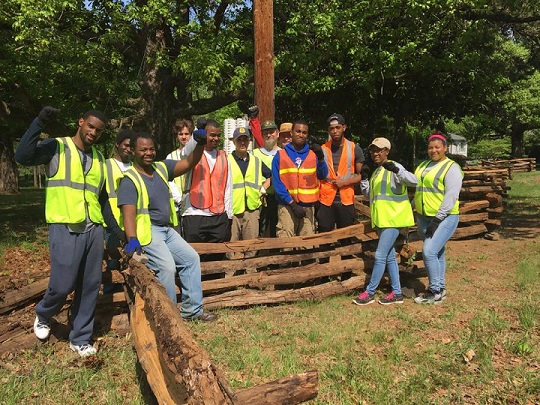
(263, 26)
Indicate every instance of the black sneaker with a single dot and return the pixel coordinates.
(364, 299)
(391, 299)
(429, 297)
(205, 317)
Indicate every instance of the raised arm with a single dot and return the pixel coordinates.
(185, 165)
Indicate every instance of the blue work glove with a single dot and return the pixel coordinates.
(391, 166)
(432, 227)
(133, 246)
(200, 136)
(317, 149)
(201, 123)
(48, 113)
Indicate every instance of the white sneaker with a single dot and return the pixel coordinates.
(83, 350)
(41, 329)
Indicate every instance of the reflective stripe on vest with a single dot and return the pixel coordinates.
(328, 190)
(114, 175)
(246, 189)
(70, 193)
(142, 217)
(267, 160)
(430, 190)
(389, 206)
(301, 182)
(208, 188)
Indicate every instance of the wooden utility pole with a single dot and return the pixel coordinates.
(263, 26)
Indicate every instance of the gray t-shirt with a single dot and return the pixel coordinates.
(159, 206)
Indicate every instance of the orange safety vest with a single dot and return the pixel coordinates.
(207, 189)
(346, 171)
(301, 182)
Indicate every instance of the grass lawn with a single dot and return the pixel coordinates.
(482, 346)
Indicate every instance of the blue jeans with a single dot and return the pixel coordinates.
(434, 249)
(169, 253)
(385, 257)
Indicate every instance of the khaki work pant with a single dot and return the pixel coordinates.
(245, 226)
(290, 225)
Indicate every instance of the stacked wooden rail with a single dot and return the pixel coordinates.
(288, 270)
(513, 165)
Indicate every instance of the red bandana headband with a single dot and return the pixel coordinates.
(437, 136)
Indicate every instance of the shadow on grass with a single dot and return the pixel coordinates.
(22, 217)
(521, 220)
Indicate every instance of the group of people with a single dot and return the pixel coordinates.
(285, 187)
(437, 183)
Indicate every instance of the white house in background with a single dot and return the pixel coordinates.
(457, 145)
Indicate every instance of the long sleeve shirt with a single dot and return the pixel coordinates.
(403, 177)
(283, 196)
(32, 152)
(175, 191)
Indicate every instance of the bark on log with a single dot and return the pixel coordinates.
(494, 222)
(361, 208)
(473, 206)
(186, 361)
(166, 389)
(495, 200)
(362, 231)
(242, 298)
(179, 370)
(253, 264)
(14, 299)
(469, 231)
(496, 210)
(289, 390)
(288, 275)
(477, 217)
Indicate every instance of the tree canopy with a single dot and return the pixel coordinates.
(385, 65)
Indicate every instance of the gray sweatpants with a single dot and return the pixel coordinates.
(76, 260)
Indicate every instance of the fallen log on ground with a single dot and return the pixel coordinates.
(243, 298)
(171, 357)
(13, 299)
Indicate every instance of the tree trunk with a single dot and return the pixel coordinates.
(517, 132)
(9, 175)
(157, 90)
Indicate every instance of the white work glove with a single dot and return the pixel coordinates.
(262, 195)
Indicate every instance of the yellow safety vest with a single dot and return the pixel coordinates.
(142, 217)
(70, 192)
(246, 189)
(180, 181)
(390, 207)
(430, 190)
(267, 160)
(114, 175)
